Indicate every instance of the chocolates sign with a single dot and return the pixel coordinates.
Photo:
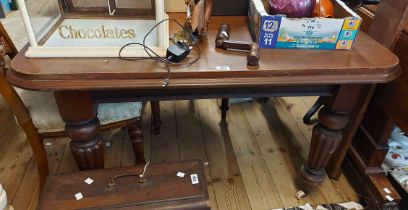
(102, 32)
(97, 32)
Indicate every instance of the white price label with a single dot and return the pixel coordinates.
(223, 68)
(180, 174)
(386, 190)
(79, 196)
(89, 180)
(389, 198)
(194, 179)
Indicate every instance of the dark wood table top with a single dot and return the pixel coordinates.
(367, 62)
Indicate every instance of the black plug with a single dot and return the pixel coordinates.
(177, 52)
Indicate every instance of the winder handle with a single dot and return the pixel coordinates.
(222, 35)
(253, 55)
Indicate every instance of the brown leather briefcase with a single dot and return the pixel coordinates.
(122, 188)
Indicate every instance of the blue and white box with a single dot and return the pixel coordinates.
(6, 5)
(278, 31)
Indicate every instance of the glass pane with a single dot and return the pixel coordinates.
(134, 4)
(43, 15)
(90, 3)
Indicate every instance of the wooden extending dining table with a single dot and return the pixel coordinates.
(345, 78)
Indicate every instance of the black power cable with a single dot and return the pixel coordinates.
(154, 56)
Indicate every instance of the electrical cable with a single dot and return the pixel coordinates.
(154, 56)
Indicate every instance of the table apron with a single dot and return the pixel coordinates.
(165, 94)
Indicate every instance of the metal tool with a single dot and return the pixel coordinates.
(222, 41)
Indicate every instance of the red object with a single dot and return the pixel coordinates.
(395, 156)
(324, 8)
(292, 8)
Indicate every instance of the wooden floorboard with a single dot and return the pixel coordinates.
(165, 147)
(259, 182)
(272, 138)
(27, 192)
(14, 164)
(8, 129)
(250, 163)
(67, 162)
(113, 153)
(290, 141)
(191, 140)
(226, 178)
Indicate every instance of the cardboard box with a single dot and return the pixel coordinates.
(278, 31)
(5, 8)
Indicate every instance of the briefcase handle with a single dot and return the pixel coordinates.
(141, 177)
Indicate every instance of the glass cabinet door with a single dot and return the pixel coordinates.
(43, 15)
(111, 7)
(94, 28)
(135, 7)
(89, 3)
(86, 6)
(134, 4)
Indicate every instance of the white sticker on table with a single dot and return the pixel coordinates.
(223, 68)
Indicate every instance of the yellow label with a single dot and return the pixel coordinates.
(351, 24)
(344, 44)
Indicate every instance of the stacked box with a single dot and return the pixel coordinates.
(278, 31)
(6, 5)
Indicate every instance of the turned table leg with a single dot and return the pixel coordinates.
(328, 133)
(136, 137)
(78, 111)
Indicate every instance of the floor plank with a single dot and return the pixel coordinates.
(14, 164)
(116, 141)
(191, 141)
(29, 189)
(26, 193)
(189, 131)
(272, 137)
(55, 149)
(259, 181)
(8, 130)
(310, 100)
(127, 155)
(34, 199)
(165, 147)
(67, 162)
(230, 191)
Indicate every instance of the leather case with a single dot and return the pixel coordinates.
(161, 189)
